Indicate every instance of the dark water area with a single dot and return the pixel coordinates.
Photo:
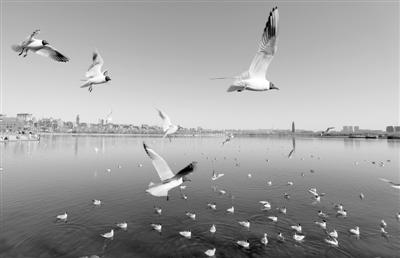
(41, 180)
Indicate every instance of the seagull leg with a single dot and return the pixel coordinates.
(90, 89)
(26, 52)
(167, 197)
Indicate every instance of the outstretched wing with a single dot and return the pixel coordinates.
(162, 168)
(267, 46)
(187, 170)
(166, 121)
(95, 67)
(49, 51)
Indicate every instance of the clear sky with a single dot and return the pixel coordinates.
(337, 62)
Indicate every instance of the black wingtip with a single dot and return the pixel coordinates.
(145, 148)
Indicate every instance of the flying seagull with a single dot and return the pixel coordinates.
(255, 78)
(293, 148)
(392, 184)
(94, 75)
(40, 47)
(168, 179)
(168, 127)
(229, 137)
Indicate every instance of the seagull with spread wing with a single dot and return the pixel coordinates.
(293, 148)
(228, 138)
(255, 78)
(327, 130)
(94, 75)
(40, 47)
(169, 180)
(168, 127)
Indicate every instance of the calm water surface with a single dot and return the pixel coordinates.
(64, 173)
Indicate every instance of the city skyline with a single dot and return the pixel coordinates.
(323, 65)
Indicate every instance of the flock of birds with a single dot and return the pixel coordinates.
(254, 79)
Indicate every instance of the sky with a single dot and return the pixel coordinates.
(337, 62)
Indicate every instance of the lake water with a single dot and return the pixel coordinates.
(64, 173)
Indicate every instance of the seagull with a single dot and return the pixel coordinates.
(362, 196)
(40, 47)
(321, 224)
(212, 206)
(245, 224)
(191, 215)
(264, 239)
(273, 218)
(293, 148)
(108, 235)
(243, 243)
(108, 170)
(383, 224)
(186, 234)
(332, 241)
(228, 139)
(94, 75)
(398, 216)
(210, 252)
(158, 210)
(213, 229)
(333, 234)
(168, 179)
(255, 78)
(355, 231)
(286, 196)
(222, 192)
(249, 175)
(182, 187)
(280, 237)
(327, 130)
(215, 176)
(297, 228)
(231, 210)
(63, 216)
(168, 127)
(392, 184)
(282, 210)
(122, 225)
(266, 205)
(322, 214)
(157, 227)
(298, 238)
(97, 202)
(269, 183)
(342, 213)
(289, 183)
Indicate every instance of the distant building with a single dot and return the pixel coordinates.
(10, 124)
(347, 129)
(390, 129)
(397, 129)
(77, 121)
(356, 128)
(293, 127)
(24, 117)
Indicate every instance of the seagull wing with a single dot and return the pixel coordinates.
(167, 122)
(95, 67)
(187, 170)
(49, 51)
(267, 46)
(162, 168)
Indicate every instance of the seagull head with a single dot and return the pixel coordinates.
(108, 78)
(272, 86)
(44, 42)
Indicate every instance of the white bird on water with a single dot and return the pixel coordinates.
(264, 239)
(392, 184)
(40, 47)
(273, 218)
(355, 231)
(63, 216)
(280, 237)
(298, 238)
(244, 243)
(168, 127)
(298, 228)
(157, 227)
(122, 225)
(342, 213)
(231, 210)
(215, 176)
(168, 179)
(383, 224)
(158, 210)
(191, 215)
(321, 224)
(187, 234)
(210, 252)
(332, 241)
(97, 202)
(245, 223)
(212, 206)
(254, 79)
(333, 234)
(213, 229)
(108, 235)
(94, 75)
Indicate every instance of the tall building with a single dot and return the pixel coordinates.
(77, 121)
(347, 129)
(397, 129)
(293, 127)
(24, 117)
(390, 129)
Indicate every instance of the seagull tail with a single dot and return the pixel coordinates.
(87, 84)
(235, 88)
(17, 48)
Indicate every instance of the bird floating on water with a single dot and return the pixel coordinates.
(213, 229)
(94, 75)
(280, 237)
(210, 252)
(191, 215)
(342, 213)
(282, 210)
(122, 225)
(168, 179)
(40, 47)
(333, 233)
(157, 227)
(63, 216)
(231, 210)
(245, 223)
(254, 79)
(97, 202)
(212, 206)
(243, 243)
(321, 224)
(297, 228)
(298, 237)
(108, 235)
(392, 184)
(362, 196)
(322, 214)
(186, 234)
(158, 210)
(355, 231)
(215, 175)
(273, 218)
(332, 241)
(383, 224)
(264, 239)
